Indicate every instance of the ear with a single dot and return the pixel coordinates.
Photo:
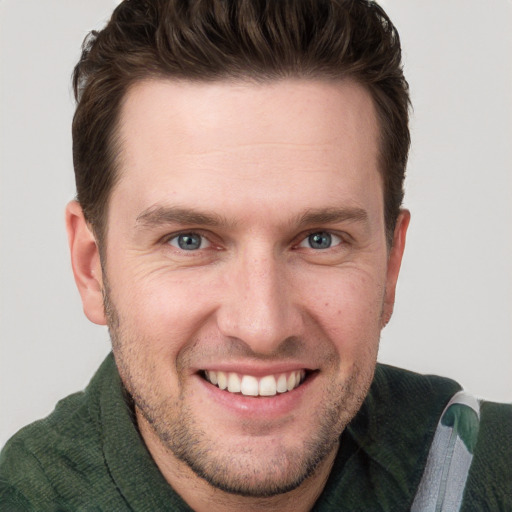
(85, 260)
(394, 261)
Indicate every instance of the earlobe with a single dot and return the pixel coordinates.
(394, 261)
(85, 260)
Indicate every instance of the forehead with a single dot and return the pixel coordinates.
(278, 141)
(291, 110)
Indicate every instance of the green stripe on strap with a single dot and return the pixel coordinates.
(442, 485)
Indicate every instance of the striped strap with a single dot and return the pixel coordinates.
(443, 481)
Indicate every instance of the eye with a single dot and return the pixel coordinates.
(320, 240)
(189, 241)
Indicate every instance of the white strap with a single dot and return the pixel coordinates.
(442, 485)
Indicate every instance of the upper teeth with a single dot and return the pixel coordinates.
(248, 385)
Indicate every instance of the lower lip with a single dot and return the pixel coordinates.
(270, 407)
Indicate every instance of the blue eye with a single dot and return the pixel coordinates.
(189, 242)
(320, 241)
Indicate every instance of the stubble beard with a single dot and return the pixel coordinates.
(237, 470)
(241, 470)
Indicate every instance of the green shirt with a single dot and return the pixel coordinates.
(88, 454)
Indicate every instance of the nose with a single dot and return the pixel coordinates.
(258, 306)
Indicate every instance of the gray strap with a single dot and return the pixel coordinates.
(443, 481)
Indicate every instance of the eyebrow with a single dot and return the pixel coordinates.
(161, 215)
(333, 216)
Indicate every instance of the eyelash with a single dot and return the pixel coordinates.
(204, 239)
(336, 238)
(322, 232)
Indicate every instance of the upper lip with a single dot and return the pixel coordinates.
(244, 368)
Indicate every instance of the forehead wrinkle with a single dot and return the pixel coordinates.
(159, 215)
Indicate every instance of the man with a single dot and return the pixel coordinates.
(238, 226)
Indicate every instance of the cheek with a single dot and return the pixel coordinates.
(159, 318)
(163, 307)
(347, 304)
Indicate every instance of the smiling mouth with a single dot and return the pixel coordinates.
(248, 385)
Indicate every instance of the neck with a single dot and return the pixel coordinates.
(203, 497)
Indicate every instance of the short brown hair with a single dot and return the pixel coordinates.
(209, 40)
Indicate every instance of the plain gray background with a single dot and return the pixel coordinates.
(454, 306)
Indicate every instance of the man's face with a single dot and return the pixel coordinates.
(246, 248)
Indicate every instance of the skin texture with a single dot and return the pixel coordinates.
(253, 169)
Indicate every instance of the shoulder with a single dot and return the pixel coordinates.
(406, 403)
(35, 458)
(50, 456)
(395, 430)
(489, 485)
(408, 384)
(413, 404)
